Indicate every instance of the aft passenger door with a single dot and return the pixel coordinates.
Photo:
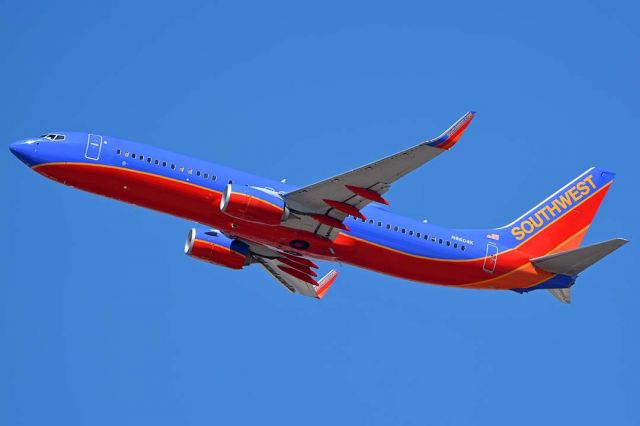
(94, 146)
(491, 258)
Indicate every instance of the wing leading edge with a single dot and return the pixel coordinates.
(322, 206)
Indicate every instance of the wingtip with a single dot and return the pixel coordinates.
(451, 136)
(325, 283)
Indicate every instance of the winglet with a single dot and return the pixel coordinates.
(325, 283)
(453, 133)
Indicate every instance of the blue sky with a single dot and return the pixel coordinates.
(104, 321)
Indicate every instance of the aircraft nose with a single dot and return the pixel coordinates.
(24, 150)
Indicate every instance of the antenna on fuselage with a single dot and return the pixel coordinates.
(283, 180)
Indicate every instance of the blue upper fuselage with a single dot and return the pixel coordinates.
(381, 226)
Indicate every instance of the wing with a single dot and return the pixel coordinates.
(322, 207)
(295, 273)
(296, 278)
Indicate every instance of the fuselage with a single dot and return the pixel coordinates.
(191, 189)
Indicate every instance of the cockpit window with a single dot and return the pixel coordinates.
(53, 137)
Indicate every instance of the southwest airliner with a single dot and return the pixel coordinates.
(246, 219)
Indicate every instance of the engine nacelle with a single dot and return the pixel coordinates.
(213, 247)
(254, 205)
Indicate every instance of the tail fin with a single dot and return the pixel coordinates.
(561, 221)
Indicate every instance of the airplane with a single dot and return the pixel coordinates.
(246, 219)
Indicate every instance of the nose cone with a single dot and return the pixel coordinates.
(24, 150)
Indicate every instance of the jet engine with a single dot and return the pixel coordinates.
(212, 246)
(254, 205)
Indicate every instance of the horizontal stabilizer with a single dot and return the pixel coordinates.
(562, 294)
(572, 262)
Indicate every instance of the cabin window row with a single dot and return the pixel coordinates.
(425, 237)
(173, 166)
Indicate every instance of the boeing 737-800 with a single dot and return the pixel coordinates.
(246, 219)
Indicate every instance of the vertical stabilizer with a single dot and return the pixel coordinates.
(561, 221)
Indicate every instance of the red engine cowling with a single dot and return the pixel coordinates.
(213, 247)
(254, 205)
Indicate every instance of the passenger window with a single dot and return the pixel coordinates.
(133, 155)
(126, 154)
(440, 241)
(395, 228)
(426, 237)
(448, 243)
(173, 167)
(164, 164)
(206, 176)
(404, 231)
(156, 162)
(388, 226)
(118, 152)
(182, 168)
(198, 173)
(370, 221)
(455, 245)
(379, 223)
(213, 177)
(148, 159)
(433, 239)
(418, 234)
(462, 247)
(141, 157)
(410, 232)
(190, 171)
